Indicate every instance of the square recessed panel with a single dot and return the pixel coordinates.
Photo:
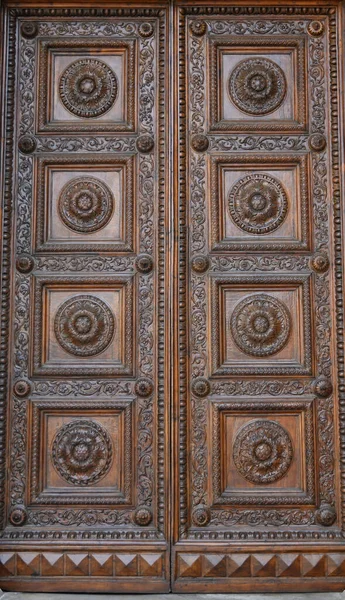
(83, 326)
(258, 84)
(81, 452)
(261, 326)
(85, 203)
(260, 202)
(86, 85)
(268, 452)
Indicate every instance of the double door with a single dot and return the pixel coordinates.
(172, 298)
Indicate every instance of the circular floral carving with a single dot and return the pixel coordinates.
(86, 204)
(145, 144)
(262, 451)
(317, 142)
(29, 29)
(200, 264)
(198, 28)
(18, 516)
(323, 387)
(260, 325)
(320, 263)
(258, 203)
(22, 388)
(82, 452)
(201, 387)
(88, 88)
(27, 144)
(326, 515)
(84, 325)
(316, 28)
(25, 263)
(144, 263)
(257, 86)
(201, 516)
(200, 142)
(142, 516)
(144, 387)
(145, 30)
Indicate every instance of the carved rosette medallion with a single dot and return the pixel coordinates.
(201, 387)
(18, 516)
(200, 263)
(145, 30)
(260, 325)
(316, 28)
(85, 204)
(317, 142)
(198, 28)
(323, 387)
(27, 144)
(82, 452)
(88, 88)
(144, 387)
(201, 516)
(262, 452)
(200, 142)
(258, 203)
(29, 29)
(257, 86)
(142, 516)
(326, 515)
(25, 263)
(144, 263)
(84, 325)
(320, 262)
(22, 388)
(145, 143)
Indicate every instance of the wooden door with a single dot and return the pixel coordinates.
(260, 341)
(85, 495)
(172, 297)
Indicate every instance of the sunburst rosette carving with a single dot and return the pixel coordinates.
(142, 516)
(260, 325)
(88, 88)
(84, 325)
(258, 203)
(85, 205)
(262, 451)
(257, 86)
(82, 452)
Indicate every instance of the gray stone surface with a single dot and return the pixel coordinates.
(306, 596)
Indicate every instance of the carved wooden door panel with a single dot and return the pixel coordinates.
(261, 349)
(84, 503)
